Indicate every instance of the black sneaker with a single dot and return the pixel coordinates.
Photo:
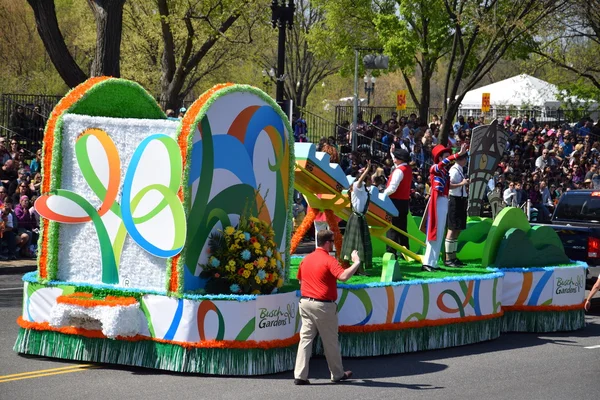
(458, 263)
(301, 382)
(428, 268)
(450, 263)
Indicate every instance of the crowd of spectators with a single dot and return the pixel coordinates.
(540, 161)
(20, 184)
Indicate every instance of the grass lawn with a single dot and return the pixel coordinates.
(410, 271)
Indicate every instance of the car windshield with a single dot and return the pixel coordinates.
(578, 208)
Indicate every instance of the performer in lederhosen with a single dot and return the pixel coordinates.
(357, 235)
(437, 207)
(457, 210)
(398, 190)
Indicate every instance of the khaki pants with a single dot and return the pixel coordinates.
(319, 317)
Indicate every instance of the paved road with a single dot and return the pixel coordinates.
(515, 366)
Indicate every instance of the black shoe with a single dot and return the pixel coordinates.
(458, 263)
(347, 375)
(301, 382)
(451, 263)
(428, 268)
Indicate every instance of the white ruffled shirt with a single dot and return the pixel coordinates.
(359, 197)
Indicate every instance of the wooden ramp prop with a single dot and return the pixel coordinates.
(325, 185)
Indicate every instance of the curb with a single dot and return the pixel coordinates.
(13, 269)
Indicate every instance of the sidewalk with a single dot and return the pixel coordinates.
(20, 266)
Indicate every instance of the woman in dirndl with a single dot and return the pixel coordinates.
(357, 236)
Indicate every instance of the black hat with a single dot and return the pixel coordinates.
(402, 154)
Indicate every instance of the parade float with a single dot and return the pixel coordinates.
(167, 244)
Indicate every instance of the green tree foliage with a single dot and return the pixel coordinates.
(416, 37)
(26, 67)
(573, 45)
(467, 38)
(303, 68)
(187, 41)
(483, 33)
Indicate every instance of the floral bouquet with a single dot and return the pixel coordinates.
(243, 259)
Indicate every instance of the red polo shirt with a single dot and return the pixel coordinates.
(318, 273)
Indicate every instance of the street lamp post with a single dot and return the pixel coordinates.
(370, 62)
(281, 15)
(267, 78)
(369, 87)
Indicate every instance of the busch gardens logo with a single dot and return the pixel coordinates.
(564, 286)
(277, 317)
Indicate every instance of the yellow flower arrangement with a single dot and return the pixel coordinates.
(261, 263)
(243, 259)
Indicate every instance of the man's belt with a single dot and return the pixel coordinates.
(313, 299)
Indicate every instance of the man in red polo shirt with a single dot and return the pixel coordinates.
(317, 275)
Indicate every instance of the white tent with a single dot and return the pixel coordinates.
(521, 91)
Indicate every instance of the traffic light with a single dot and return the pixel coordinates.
(376, 61)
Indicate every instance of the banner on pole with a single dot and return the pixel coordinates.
(485, 102)
(401, 100)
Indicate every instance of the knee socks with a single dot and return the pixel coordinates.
(451, 247)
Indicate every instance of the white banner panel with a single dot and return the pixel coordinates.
(276, 316)
(569, 286)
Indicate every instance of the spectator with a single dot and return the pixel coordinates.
(36, 163)
(527, 124)
(18, 122)
(17, 241)
(510, 195)
(460, 125)
(38, 123)
(27, 223)
(14, 148)
(8, 173)
(36, 184)
(21, 190)
(4, 154)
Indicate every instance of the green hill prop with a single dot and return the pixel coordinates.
(513, 243)
(509, 217)
(517, 249)
(471, 241)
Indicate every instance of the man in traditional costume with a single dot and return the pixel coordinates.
(398, 190)
(437, 208)
(357, 235)
(457, 210)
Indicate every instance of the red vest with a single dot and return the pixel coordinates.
(403, 191)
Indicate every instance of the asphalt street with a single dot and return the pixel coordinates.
(515, 366)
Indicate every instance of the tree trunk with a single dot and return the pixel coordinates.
(170, 94)
(425, 92)
(449, 115)
(109, 25)
(54, 42)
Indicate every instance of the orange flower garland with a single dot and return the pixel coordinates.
(183, 140)
(306, 224)
(67, 102)
(86, 300)
(205, 344)
(415, 324)
(543, 308)
(334, 227)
